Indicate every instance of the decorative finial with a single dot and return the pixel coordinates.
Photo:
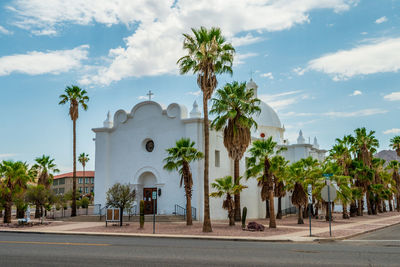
(300, 139)
(195, 113)
(108, 123)
(316, 145)
(150, 94)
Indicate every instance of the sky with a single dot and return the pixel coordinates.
(326, 66)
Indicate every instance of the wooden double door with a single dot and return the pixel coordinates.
(148, 201)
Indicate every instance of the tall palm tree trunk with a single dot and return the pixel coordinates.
(207, 220)
(267, 215)
(272, 219)
(7, 212)
(37, 211)
(390, 204)
(345, 213)
(237, 196)
(20, 213)
(300, 214)
(360, 207)
(398, 202)
(369, 206)
(279, 213)
(73, 211)
(188, 208)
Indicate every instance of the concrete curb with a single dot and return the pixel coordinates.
(201, 237)
(196, 237)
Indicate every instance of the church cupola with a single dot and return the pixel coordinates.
(108, 123)
(195, 113)
(252, 85)
(316, 145)
(300, 139)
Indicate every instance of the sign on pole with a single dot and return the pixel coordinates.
(154, 197)
(332, 193)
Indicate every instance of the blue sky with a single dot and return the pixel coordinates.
(326, 66)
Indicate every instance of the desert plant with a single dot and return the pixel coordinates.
(244, 215)
(226, 186)
(141, 214)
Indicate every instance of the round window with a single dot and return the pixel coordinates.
(150, 145)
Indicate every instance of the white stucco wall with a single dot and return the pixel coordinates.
(121, 157)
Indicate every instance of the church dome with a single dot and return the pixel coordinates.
(267, 116)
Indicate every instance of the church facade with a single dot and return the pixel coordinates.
(131, 147)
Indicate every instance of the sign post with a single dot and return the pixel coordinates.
(330, 198)
(154, 197)
(309, 191)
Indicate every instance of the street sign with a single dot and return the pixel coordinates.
(332, 193)
(309, 191)
(154, 196)
(327, 175)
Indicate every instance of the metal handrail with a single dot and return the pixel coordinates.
(179, 210)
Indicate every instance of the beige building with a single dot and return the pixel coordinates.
(84, 183)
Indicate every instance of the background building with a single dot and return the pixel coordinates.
(84, 183)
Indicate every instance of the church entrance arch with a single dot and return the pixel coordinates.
(146, 186)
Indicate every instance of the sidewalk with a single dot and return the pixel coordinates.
(287, 229)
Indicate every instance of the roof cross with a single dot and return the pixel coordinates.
(150, 94)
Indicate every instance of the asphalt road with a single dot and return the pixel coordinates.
(380, 248)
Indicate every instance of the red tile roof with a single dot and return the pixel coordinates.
(78, 174)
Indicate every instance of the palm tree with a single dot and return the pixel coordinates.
(394, 166)
(76, 97)
(44, 169)
(294, 183)
(365, 145)
(279, 169)
(208, 54)
(234, 106)
(227, 186)
(179, 158)
(395, 144)
(83, 158)
(259, 166)
(378, 167)
(16, 175)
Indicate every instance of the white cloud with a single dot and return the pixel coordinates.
(283, 100)
(357, 113)
(7, 155)
(364, 33)
(244, 40)
(381, 20)
(267, 75)
(5, 31)
(375, 57)
(142, 97)
(299, 71)
(395, 96)
(34, 63)
(195, 93)
(356, 92)
(156, 44)
(392, 131)
(239, 58)
(297, 114)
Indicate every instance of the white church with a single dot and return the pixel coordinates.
(130, 148)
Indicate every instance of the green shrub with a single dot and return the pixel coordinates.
(85, 203)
